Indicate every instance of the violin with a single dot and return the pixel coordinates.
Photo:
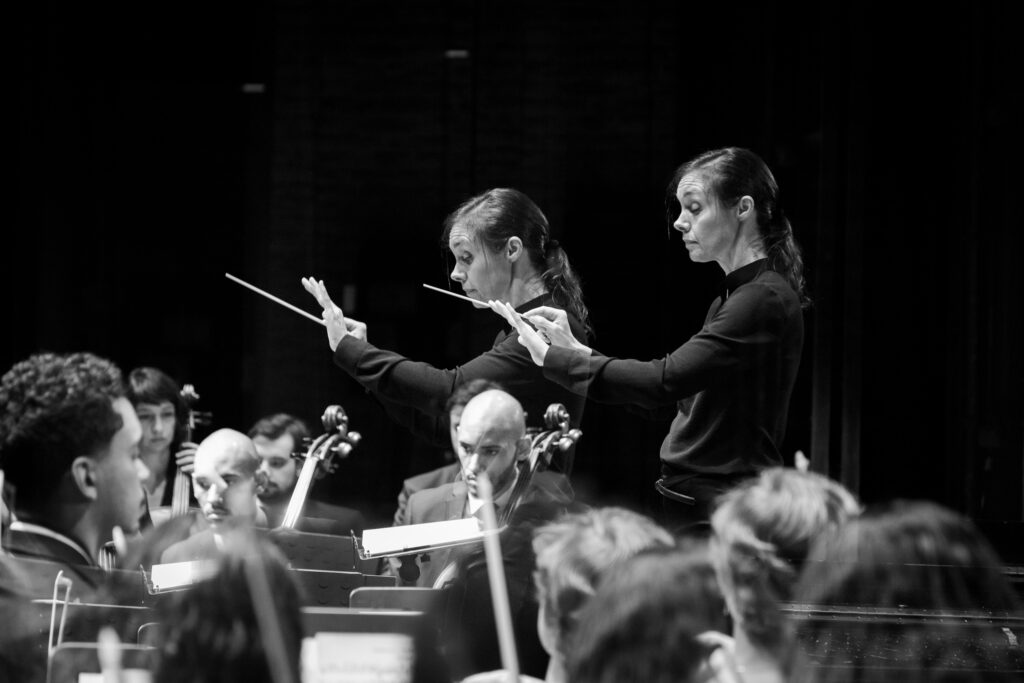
(319, 459)
(558, 437)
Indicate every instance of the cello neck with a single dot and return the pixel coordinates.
(182, 482)
(299, 493)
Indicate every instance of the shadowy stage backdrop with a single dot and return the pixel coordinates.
(160, 146)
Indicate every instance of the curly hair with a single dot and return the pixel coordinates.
(55, 408)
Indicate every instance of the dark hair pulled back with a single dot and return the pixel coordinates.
(734, 172)
(501, 213)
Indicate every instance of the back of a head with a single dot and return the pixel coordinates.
(763, 531)
(943, 562)
(916, 556)
(642, 623)
(54, 408)
(574, 552)
(212, 633)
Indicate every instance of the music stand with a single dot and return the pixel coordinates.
(332, 589)
(328, 552)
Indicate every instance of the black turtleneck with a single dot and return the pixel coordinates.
(731, 382)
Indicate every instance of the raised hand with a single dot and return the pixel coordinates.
(553, 324)
(338, 326)
(528, 336)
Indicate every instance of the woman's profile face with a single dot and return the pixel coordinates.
(709, 230)
(483, 275)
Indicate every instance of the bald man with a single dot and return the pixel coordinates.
(227, 483)
(491, 438)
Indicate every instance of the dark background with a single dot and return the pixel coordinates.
(161, 145)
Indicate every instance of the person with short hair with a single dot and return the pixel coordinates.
(491, 439)
(762, 532)
(69, 451)
(157, 400)
(69, 445)
(227, 481)
(453, 471)
(276, 437)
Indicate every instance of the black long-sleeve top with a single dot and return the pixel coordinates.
(398, 380)
(731, 382)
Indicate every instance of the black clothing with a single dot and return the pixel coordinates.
(396, 379)
(731, 382)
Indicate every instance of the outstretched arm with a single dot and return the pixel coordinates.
(338, 326)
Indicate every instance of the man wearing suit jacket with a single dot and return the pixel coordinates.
(491, 439)
(227, 480)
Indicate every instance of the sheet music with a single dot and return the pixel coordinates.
(413, 537)
(357, 658)
(124, 676)
(164, 577)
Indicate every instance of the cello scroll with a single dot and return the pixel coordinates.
(336, 442)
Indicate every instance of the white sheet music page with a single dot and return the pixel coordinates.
(179, 574)
(397, 539)
(357, 658)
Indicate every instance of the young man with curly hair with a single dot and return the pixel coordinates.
(69, 445)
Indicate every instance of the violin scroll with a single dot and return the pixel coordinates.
(194, 418)
(556, 417)
(340, 444)
(320, 458)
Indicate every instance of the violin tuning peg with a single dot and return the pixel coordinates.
(354, 438)
(570, 438)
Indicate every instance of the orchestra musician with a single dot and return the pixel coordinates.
(69, 444)
(276, 437)
(453, 471)
(503, 250)
(491, 439)
(227, 479)
(162, 413)
(730, 383)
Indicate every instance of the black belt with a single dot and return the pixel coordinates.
(667, 486)
(662, 487)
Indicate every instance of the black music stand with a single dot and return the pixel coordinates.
(325, 552)
(332, 589)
